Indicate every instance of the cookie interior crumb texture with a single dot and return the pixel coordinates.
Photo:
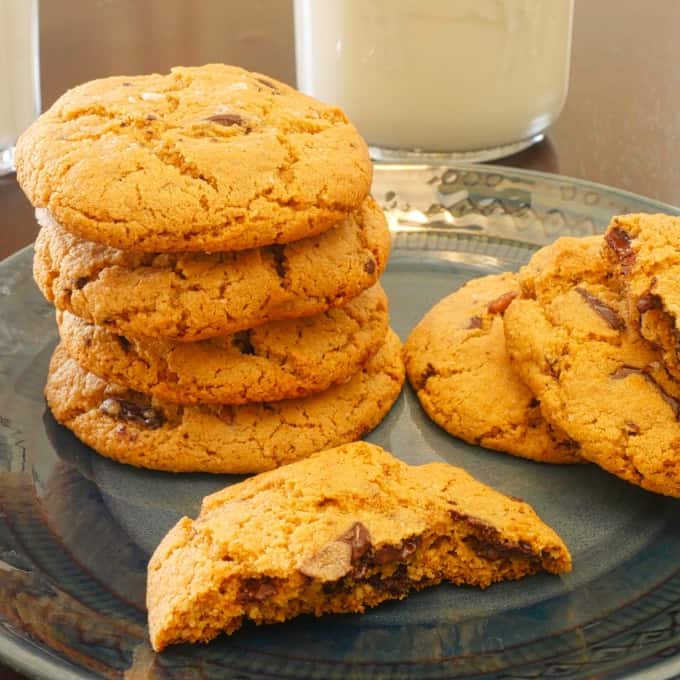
(338, 532)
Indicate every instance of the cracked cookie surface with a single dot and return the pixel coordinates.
(455, 359)
(132, 428)
(645, 252)
(279, 360)
(573, 344)
(206, 159)
(193, 296)
(340, 531)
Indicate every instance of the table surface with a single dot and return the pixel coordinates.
(620, 124)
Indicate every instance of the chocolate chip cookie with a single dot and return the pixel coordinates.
(144, 431)
(644, 250)
(205, 159)
(191, 296)
(279, 360)
(455, 359)
(596, 377)
(338, 532)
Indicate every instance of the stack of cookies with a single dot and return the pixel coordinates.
(209, 242)
(580, 352)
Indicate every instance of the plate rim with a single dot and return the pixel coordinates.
(526, 173)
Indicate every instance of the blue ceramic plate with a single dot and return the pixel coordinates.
(76, 529)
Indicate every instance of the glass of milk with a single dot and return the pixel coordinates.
(19, 74)
(433, 80)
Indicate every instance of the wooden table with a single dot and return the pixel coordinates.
(620, 125)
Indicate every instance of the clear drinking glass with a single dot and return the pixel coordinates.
(19, 74)
(431, 80)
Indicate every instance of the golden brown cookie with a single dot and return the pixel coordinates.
(280, 360)
(207, 159)
(338, 532)
(457, 364)
(133, 428)
(597, 379)
(644, 250)
(195, 296)
(560, 266)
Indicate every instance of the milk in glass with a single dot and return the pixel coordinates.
(438, 75)
(19, 73)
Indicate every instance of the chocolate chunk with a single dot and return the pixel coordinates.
(487, 541)
(359, 540)
(279, 256)
(500, 304)
(611, 316)
(619, 241)
(493, 550)
(396, 584)
(472, 521)
(648, 301)
(256, 589)
(124, 343)
(486, 549)
(227, 119)
(243, 343)
(386, 554)
(369, 267)
(330, 563)
(395, 553)
(336, 587)
(132, 412)
(475, 322)
(336, 559)
(81, 283)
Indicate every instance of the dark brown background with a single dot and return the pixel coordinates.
(620, 126)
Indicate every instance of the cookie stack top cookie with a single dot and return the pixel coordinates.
(207, 159)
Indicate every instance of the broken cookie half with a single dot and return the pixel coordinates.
(338, 532)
